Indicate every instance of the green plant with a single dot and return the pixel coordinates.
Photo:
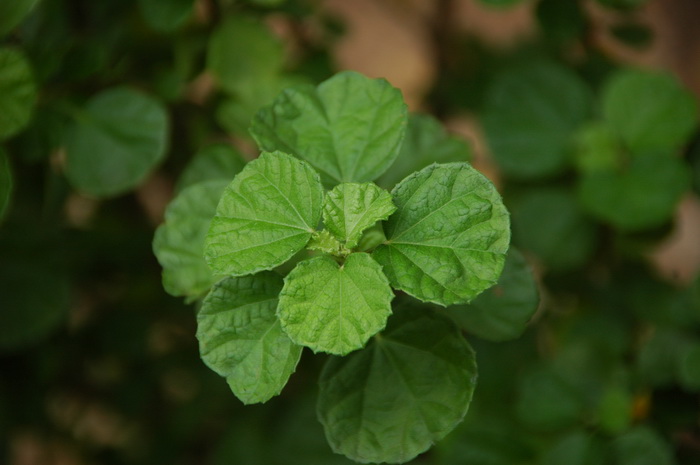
(440, 236)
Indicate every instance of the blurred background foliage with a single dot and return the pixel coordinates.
(584, 114)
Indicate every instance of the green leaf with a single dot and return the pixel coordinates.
(115, 142)
(549, 223)
(577, 448)
(5, 183)
(448, 238)
(17, 92)
(12, 13)
(241, 339)
(325, 242)
(219, 161)
(266, 215)
(166, 15)
(503, 311)
(597, 148)
(689, 370)
(179, 242)
(349, 128)
(335, 308)
(530, 113)
(650, 111)
(242, 51)
(642, 446)
(410, 387)
(426, 142)
(622, 198)
(350, 208)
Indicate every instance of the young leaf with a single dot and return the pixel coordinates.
(17, 92)
(649, 110)
(529, 116)
(219, 161)
(447, 241)
(503, 311)
(426, 142)
(116, 141)
(266, 215)
(241, 339)
(350, 208)
(243, 50)
(349, 128)
(179, 242)
(335, 308)
(622, 198)
(5, 183)
(392, 400)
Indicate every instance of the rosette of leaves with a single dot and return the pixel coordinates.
(313, 251)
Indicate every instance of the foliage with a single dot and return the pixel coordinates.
(221, 248)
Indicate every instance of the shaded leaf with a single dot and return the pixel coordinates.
(349, 128)
(13, 12)
(17, 92)
(117, 139)
(167, 15)
(410, 387)
(219, 161)
(447, 241)
(241, 339)
(335, 308)
(642, 446)
(5, 183)
(266, 215)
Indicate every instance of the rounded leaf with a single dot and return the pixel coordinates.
(335, 308)
(350, 208)
(529, 116)
(17, 92)
(503, 311)
(349, 128)
(447, 240)
(241, 339)
(115, 142)
(392, 400)
(179, 242)
(265, 216)
(649, 110)
(220, 161)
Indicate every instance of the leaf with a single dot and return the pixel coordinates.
(530, 113)
(219, 161)
(166, 16)
(576, 448)
(426, 142)
(241, 339)
(5, 183)
(266, 215)
(549, 223)
(650, 111)
(350, 208)
(179, 242)
(447, 241)
(17, 92)
(410, 387)
(642, 446)
(242, 51)
(335, 308)
(117, 139)
(503, 311)
(12, 13)
(597, 148)
(349, 128)
(622, 198)
(689, 369)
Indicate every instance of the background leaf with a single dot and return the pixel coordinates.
(241, 339)
(12, 13)
(409, 388)
(335, 308)
(529, 115)
(17, 92)
(5, 183)
(503, 311)
(117, 139)
(349, 128)
(350, 208)
(167, 15)
(447, 240)
(179, 241)
(219, 161)
(650, 111)
(266, 215)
